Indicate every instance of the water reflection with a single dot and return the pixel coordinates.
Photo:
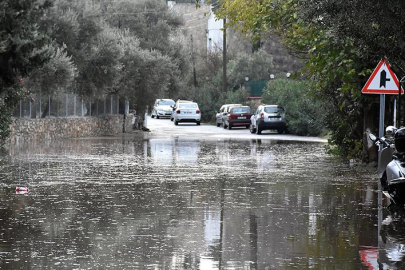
(169, 151)
(392, 245)
(183, 204)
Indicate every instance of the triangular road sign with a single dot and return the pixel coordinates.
(382, 81)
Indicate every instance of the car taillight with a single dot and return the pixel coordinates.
(262, 115)
(178, 111)
(197, 111)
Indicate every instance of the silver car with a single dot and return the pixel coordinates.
(268, 117)
(187, 112)
(223, 111)
(162, 108)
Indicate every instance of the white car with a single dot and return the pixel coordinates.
(187, 112)
(176, 105)
(162, 108)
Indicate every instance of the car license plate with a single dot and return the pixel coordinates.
(186, 112)
(273, 119)
(241, 117)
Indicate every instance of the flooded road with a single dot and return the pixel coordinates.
(178, 202)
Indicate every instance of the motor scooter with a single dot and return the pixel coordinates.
(391, 165)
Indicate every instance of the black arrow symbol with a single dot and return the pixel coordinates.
(383, 78)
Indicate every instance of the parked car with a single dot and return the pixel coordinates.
(176, 105)
(162, 108)
(268, 117)
(222, 112)
(187, 112)
(237, 116)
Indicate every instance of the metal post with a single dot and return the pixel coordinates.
(224, 79)
(49, 106)
(382, 110)
(74, 105)
(145, 121)
(30, 109)
(399, 103)
(82, 108)
(20, 108)
(40, 107)
(395, 112)
(66, 106)
(111, 104)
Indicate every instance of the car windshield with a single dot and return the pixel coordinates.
(241, 110)
(273, 110)
(188, 106)
(166, 102)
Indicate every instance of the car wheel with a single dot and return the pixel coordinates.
(176, 122)
(152, 116)
(252, 129)
(247, 126)
(198, 123)
(157, 116)
(259, 130)
(280, 131)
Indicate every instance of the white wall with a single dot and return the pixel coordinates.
(214, 34)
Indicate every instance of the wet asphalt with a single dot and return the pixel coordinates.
(192, 197)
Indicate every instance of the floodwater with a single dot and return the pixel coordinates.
(172, 203)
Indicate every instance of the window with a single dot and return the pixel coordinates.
(278, 110)
(188, 106)
(166, 102)
(241, 110)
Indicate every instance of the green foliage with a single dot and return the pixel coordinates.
(209, 93)
(123, 47)
(339, 48)
(305, 114)
(256, 66)
(23, 48)
(240, 96)
(5, 121)
(55, 75)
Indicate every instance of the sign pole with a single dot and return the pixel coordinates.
(394, 123)
(399, 103)
(382, 110)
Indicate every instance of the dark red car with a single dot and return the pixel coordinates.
(237, 116)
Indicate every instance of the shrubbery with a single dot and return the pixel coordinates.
(305, 115)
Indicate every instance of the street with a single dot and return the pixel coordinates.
(166, 127)
(188, 197)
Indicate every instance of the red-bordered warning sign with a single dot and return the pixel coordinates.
(382, 81)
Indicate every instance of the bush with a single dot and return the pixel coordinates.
(305, 115)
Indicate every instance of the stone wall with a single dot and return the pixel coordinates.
(69, 127)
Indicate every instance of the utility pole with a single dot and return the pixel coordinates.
(224, 83)
(193, 60)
